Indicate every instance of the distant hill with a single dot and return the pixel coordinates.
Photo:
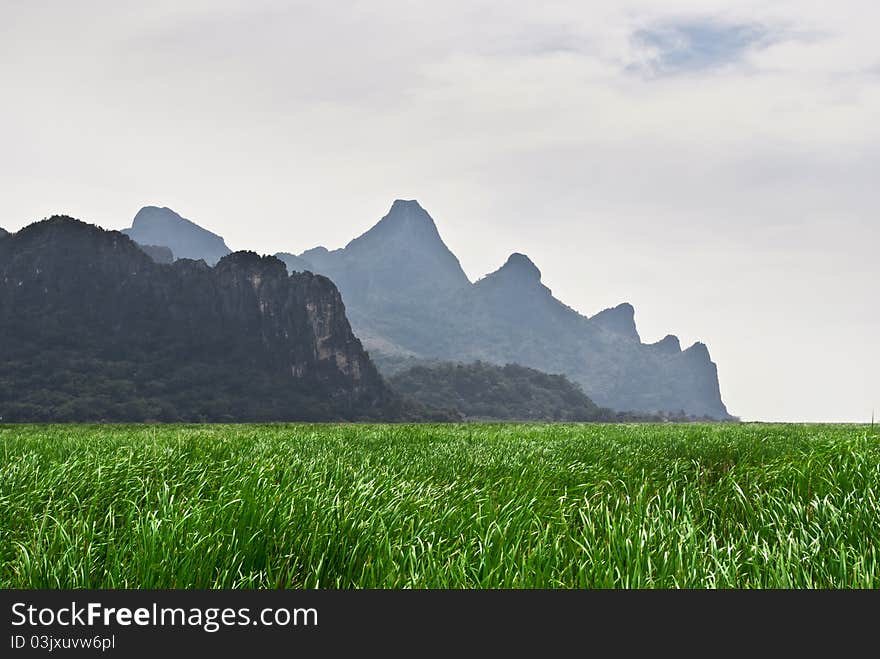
(187, 240)
(486, 391)
(92, 329)
(408, 298)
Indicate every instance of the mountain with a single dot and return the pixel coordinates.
(91, 328)
(159, 253)
(393, 274)
(620, 320)
(294, 263)
(486, 391)
(187, 240)
(3, 232)
(408, 298)
(669, 345)
(401, 257)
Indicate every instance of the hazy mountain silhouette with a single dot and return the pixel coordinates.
(3, 232)
(620, 320)
(91, 328)
(402, 257)
(669, 345)
(294, 263)
(159, 253)
(407, 297)
(186, 239)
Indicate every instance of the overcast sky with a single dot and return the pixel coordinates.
(714, 163)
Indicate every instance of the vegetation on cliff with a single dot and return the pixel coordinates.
(92, 329)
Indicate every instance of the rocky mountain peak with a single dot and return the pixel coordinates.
(411, 205)
(521, 266)
(698, 351)
(154, 225)
(668, 344)
(619, 319)
(409, 211)
(403, 253)
(518, 272)
(406, 225)
(150, 217)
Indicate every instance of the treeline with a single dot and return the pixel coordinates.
(483, 391)
(486, 391)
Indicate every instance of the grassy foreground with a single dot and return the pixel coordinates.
(481, 505)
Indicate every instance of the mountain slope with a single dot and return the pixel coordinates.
(187, 240)
(91, 328)
(407, 297)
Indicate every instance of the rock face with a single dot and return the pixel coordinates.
(158, 253)
(91, 328)
(408, 298)
(401, 257)
(668, 345)
(620, 320)
(187, 240)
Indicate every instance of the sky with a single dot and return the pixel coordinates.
(714, 163)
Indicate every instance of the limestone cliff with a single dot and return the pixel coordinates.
(91, 328)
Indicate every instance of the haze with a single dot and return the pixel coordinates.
(714, 163)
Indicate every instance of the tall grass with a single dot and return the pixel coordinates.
(440, 506)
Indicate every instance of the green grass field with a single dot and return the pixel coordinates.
(439, 506)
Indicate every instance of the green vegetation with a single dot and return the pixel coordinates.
(478, 505)
(91, 329)
(487, 391)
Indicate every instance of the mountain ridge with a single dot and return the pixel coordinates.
(407, 296)
(91, 328)
(507, 316)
